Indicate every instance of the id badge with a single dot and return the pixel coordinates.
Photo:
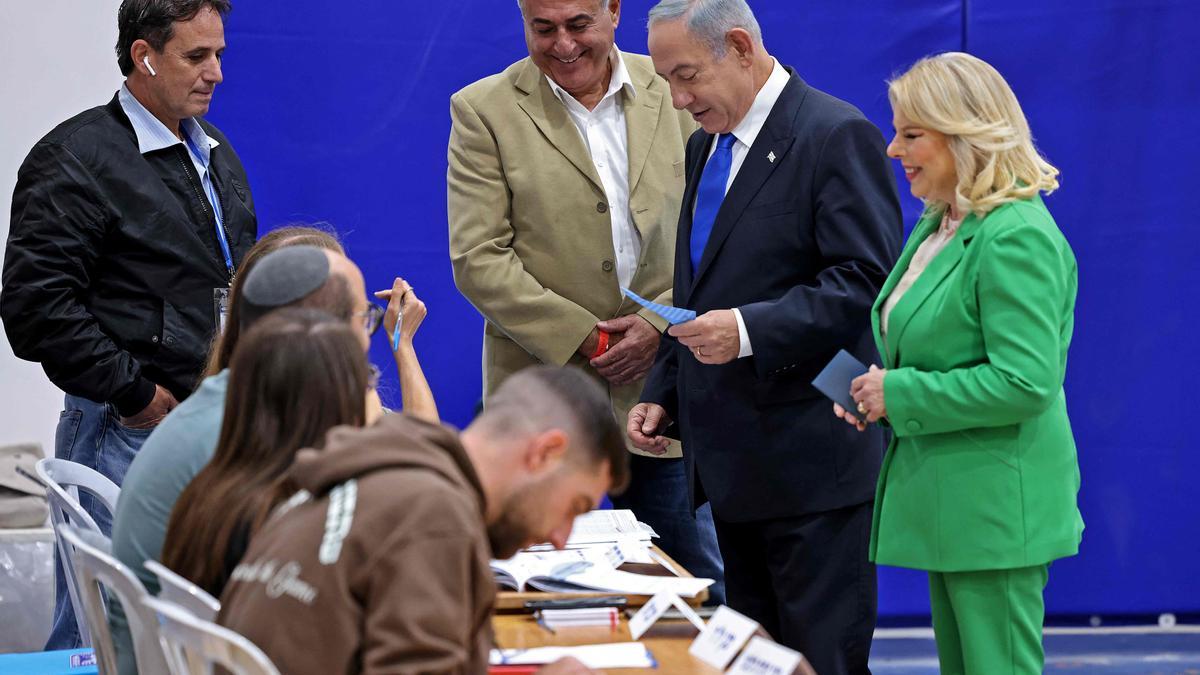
(220, 308)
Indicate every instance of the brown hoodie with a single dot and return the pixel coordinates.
(383, 570)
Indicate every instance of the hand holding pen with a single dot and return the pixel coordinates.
(405, 312)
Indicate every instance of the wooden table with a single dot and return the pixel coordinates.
(668, 641)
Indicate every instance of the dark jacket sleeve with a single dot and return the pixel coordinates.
(858, 231)
(54, 243)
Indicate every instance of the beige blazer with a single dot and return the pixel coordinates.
(530, 236)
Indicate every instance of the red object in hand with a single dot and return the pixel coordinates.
(601, 344)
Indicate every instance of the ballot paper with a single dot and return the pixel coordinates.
(673, 315)
(612, 655)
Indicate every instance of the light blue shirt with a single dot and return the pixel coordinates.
(153, 135)
(178, 448)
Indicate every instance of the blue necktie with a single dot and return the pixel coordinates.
(709, 195)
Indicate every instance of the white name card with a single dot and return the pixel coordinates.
(722, 638)
(653, 610)
(763, 657)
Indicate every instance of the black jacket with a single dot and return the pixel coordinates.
(112, 259)
(802, 243)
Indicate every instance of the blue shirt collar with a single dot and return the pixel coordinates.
(153, 135)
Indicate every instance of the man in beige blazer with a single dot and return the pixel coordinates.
(564, 183)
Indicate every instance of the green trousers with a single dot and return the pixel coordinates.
(989, 622)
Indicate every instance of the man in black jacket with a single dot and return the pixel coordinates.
(128, 221)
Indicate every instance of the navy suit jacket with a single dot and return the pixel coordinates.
(802, 243)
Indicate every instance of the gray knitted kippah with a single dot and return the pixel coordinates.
(285, 276)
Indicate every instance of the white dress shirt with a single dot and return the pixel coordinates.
(604, 133)
(746, 132)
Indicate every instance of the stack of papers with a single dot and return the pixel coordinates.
(618, 526)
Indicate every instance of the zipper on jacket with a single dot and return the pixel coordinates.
(187, 171)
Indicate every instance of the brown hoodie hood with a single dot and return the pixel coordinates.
(383, 568)
(395, 442)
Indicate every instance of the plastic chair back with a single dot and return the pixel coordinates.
(96, 569)
(64, 480)
(193, 645)
(176, 589)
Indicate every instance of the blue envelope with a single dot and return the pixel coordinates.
(834, 381)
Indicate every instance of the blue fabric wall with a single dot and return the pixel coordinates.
(340, 112)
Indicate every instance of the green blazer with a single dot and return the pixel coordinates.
(981, 472)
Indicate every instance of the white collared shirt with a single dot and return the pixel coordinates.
(746, 132)
(153, 135)
(604, 133)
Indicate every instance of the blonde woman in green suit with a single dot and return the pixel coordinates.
(979, 484)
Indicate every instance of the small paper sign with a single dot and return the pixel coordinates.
(649, 613)
(653, 610)
(722, 638)
(763, 657)
(688, 613)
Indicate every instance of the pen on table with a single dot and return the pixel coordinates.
(399, 316)
(537, 616)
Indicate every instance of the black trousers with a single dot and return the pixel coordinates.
(808, 582)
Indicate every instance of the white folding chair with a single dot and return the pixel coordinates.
(64, 480)
(95, 567)
(193, 645)
(176, 589)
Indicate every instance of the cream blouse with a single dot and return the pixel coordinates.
(925, 254)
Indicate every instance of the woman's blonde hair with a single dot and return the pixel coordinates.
(965, 98)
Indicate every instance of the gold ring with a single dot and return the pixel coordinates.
(862, 409)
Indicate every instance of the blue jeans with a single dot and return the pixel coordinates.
(88, 433)
(658, 496)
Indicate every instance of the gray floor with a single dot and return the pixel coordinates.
(1103, 651)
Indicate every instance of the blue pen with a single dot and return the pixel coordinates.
(396, 331)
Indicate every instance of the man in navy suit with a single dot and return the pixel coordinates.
(789, 225)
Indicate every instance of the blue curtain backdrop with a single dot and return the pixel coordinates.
(340, 112)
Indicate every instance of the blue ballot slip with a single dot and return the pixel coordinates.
(673, 315)
(834, 381)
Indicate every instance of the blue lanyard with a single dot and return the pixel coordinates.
(212, 200)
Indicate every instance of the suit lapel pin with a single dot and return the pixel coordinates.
(771, 157)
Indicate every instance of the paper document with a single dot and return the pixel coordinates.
(633, 549)
(673, 315)
(608, 525)
(537, 568)
(613, 655)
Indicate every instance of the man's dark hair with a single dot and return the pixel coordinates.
(544, 397)
(154, 22)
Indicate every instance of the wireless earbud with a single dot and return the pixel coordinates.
(146, 60)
